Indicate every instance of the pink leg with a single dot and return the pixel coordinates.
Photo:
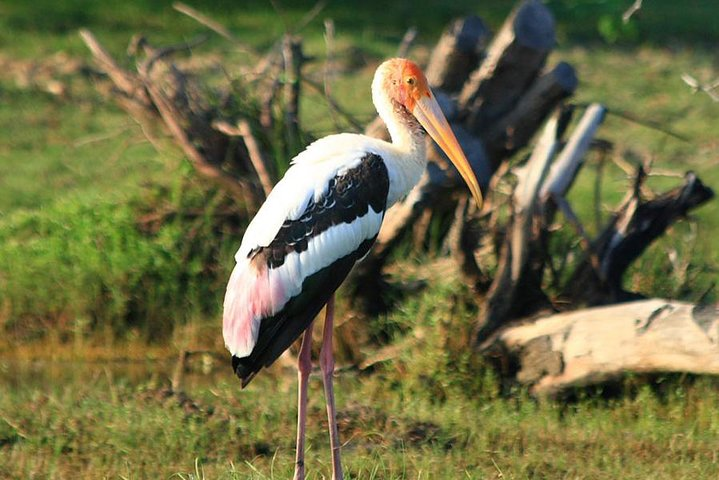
(327, 364)
(304, 367)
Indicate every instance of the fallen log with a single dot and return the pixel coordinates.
(597, 345)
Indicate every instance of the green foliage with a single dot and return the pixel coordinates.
(75, 267)
(612, 29)
(71, 158)
(435, 362)
(658, 23)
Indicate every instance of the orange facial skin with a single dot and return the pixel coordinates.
(407, 83)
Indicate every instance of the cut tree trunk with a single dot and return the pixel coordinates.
(512, 289)
(514, 59)
(600, 344)
(517, 286)
(516, 128)
(457, 53)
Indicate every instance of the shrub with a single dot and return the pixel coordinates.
(80, 266)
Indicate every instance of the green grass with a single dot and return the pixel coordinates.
(415, 417)
(76, 174)
(58, 149)
(89, 430)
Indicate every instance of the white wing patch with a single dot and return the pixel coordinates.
(322, 250)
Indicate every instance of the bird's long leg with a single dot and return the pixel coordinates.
(304, 367)
(327, 364)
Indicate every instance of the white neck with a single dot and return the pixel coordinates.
(409, 146)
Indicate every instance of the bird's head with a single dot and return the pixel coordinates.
(405, 82)
(407, 88)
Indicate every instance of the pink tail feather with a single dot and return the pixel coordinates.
(248, 299)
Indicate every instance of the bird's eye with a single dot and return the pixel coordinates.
(410, 81)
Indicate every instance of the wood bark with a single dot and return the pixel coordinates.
(514, 131)
(564, 171)
(457, 53)
(633, 228)
(504, 300)
(600, 344)
(515, 57)
(517, 286)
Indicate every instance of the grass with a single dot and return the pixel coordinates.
(60, 149)
(75, 173)
(92, 431)
(409, 419)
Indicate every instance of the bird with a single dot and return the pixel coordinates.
(318, 221)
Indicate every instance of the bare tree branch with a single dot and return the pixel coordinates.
(696, 86)
(634, 8)
(126, 82)
(407, 40)
(213, 25)
(238, 188)
(256, 157)
(293, 59)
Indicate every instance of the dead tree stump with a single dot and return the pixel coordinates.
(457, 53)
(513, 61)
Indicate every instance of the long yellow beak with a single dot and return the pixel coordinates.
(428, 113)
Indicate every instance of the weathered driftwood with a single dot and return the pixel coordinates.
(516, 289)
(565, 169)
(513, 288)
(633, 228)
(595, 345)
(161, 89)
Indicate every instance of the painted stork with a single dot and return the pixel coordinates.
(317, 222)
